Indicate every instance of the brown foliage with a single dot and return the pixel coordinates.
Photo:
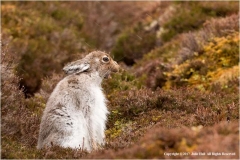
(18, 122)
(136, 111)
(159, 142)
(103, 22)
(153, 72)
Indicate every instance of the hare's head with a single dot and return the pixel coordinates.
(96, 61)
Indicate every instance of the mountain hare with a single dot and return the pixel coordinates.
(76, 113)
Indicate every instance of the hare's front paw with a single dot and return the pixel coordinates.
(94, 145)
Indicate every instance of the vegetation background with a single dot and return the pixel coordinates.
(179, 91)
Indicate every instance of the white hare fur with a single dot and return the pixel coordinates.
(76, 113)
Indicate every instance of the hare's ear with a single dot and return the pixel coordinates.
(76, 67)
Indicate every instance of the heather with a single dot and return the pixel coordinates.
(177, 92)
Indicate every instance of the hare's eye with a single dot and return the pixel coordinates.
(105, 59)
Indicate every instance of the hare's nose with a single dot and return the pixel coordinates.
(116, 67)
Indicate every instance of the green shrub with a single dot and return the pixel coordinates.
(121, 82)
(44, 35)
(191, 16)
(174, 63)
(133, 43)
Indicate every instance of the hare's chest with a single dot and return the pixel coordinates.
(99, 112)
(98, 98)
